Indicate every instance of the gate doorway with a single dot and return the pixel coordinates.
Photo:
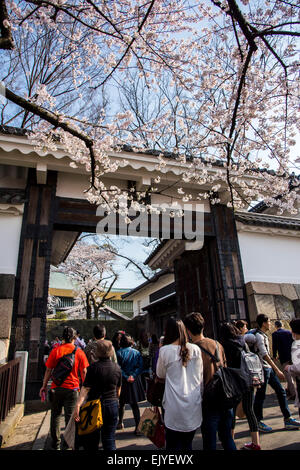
(209, 279)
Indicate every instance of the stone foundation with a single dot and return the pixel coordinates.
(277, 301)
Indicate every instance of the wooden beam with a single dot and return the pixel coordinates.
(32, 279)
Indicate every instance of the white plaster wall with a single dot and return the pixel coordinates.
(10, 230)
(270, 258)
(143, 295)
(72, 185)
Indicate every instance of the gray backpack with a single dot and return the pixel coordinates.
(252, 367)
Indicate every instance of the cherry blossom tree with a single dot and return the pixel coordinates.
(232, 97)
(91, 269)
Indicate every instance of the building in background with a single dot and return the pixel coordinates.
(154, 300)
(62, 290)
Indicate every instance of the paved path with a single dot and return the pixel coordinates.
(32, 431)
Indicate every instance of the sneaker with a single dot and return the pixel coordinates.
(263, 427)
(138, 433)
(291, 423)
(251, 446)
(120, 426)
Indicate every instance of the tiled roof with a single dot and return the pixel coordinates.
(268, 220)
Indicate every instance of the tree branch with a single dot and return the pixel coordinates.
(6, 39)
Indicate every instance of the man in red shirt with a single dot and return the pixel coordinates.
(65, 395)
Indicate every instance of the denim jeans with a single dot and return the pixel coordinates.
(61, 398)
(179, 441)
(217, 421)
(110, 412)
(271, 379)
(90, 442)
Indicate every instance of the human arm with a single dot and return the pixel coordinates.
(83, 364)
(264, 354)
(83, 374)
(138, 366)
(161, 369)
(81, 399)
(45, 380)
(294, 368)
(277, 371)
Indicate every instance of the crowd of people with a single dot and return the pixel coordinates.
(185, 360)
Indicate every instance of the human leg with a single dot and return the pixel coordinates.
(209, 428)
(291, 390)
(225, 430)
(90, 442)
(260, 396)
(297, 380)
(122, 405)
(179, 441)
(69, 401)
(136, 414)
(247, 401)
(274, 382)
(56, 411)
(110, 419)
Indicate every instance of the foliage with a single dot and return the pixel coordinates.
(216, 83)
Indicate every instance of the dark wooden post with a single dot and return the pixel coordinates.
(32, 279)
(230, 294)
(194, 287)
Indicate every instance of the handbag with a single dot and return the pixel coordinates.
(148, 422)
(155, 391)
(151, 425)
(158, 438)
(226, 387)
(90, 417)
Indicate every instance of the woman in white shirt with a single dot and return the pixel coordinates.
(180, 364)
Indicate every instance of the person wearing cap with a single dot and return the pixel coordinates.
(294, 369)
(103, 380)
(65, 395)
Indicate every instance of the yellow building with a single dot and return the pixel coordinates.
(64, 290)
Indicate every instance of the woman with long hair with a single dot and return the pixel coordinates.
(242, 326)
(233, 343)
(132, 392)
(180, 364)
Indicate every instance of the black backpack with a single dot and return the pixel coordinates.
(63, 368)
(228, 384)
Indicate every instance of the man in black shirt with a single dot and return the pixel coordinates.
(103, 380)
(282, 340)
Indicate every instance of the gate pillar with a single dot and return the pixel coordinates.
(28, 331)
(229, 285)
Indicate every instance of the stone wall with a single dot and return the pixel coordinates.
(85, 327)
(7, 284)
(277, 301)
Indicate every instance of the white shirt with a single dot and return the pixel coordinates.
(183, 387)
(262, 346)
(295, 353)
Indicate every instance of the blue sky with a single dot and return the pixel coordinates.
(133, 248)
